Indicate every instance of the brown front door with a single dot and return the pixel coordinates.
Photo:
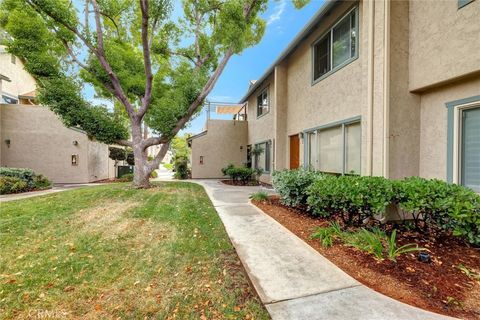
(294, 152)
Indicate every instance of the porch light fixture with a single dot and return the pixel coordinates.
(300, 135)
(75, 142)
(7, 141)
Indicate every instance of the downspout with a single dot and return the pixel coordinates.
(386, 91)
(371, 46)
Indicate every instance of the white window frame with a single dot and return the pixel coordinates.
(265, 90)
(330, 31)
(457, 138)
(316, 131)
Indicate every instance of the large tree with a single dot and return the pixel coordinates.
(156, 65)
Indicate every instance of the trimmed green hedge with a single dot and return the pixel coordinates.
(292, 185)
(434, 204)
(15, 180)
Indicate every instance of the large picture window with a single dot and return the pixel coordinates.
(337, 47)
(262, 159)
(263, 103)
(335, 149)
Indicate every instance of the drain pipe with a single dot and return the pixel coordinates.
(386, 91)
(371, 46)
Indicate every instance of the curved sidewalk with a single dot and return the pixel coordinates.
(292, 279)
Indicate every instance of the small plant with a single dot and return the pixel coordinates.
(154, 174)
(128, 177)
(472, 274)
(12, 185)
(241, 174)
(41, 182)
(393, 251)
(368, 241)
(181, 168)
(259, 196)
(328, 234)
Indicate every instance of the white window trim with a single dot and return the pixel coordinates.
(268, 102)
(457, 138)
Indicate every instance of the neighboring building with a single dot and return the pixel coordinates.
(387, 88)
(32, 136)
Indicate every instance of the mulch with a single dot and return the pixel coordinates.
(439, 286)
(248, 184)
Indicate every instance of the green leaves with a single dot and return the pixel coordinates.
(292, 185)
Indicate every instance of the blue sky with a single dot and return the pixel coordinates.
(283, 23)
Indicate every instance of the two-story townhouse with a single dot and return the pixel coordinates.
(32, 136)
(386, 88)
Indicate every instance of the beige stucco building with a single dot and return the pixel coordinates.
(32, 136)
(388, 88)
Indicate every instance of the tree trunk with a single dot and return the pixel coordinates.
(141, 171)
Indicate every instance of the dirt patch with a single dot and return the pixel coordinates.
(439, 286)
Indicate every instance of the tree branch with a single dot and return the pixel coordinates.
(147, 60)
(159, 157)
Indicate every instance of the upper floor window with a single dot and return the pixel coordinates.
(337, 47)
(263, 103)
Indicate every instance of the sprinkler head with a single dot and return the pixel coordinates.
(424, 257)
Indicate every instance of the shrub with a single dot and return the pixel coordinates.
(181, 168)
(126, 177)
(228, 167)
(435, 203)
(355, 198)
(242, 174)
(259, 196)
(12, 185)
(153, 174)
(41, 182)
(292, 185)
(24, 174)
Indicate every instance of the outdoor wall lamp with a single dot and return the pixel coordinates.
(300, 135)
(7, 141)
(75, 142)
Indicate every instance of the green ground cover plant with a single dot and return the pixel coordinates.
(114, 251)
(17, 180)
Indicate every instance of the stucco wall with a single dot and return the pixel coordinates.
(433, 133)
(224, 142)
(262, 128)
(100, 166)
(41, 142)
(21, 81)
(444, 41)
(404, 115)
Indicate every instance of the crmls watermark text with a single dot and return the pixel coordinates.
(48, 314)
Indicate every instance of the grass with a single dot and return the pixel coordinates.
(113, 252)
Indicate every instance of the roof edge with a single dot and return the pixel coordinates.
(325, 8)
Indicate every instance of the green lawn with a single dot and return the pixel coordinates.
(113, 252)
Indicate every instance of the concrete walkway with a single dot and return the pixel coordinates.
(292, 279)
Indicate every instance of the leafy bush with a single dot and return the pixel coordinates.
(117, 154)
(259, 196)
(128, 177)
(355, 198)
(41, 182)
(435, 203)
(242, 174)
(130, 158)
(24, 174)
(168, 166)
(292, 185)
(181, 168)
(153, 174)
(228, 167)
(12, 185)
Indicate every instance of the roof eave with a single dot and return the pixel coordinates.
(305, 32)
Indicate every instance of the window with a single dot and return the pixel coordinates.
(263, 104)
(463, 3)
(262, 159)
(9, 100)
(335, 149)
(470, 148)
(337, 47)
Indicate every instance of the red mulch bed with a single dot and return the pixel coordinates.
(438, 286)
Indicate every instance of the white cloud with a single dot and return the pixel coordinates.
(278, 10)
